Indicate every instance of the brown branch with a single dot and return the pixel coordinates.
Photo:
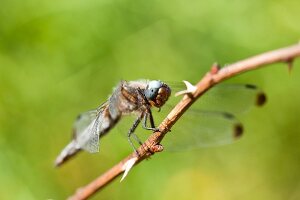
(212, 78)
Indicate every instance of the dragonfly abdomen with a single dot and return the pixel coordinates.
(108, 120)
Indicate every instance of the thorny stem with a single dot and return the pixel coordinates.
(213, 77)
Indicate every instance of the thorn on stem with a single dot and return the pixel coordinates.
(127, 166)
(290, 64)
(189, 89)
(215, 68)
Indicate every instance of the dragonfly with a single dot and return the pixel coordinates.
(199, 128)
(129, 97)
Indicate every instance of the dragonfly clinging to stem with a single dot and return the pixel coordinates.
(129, 97)
(138, 97)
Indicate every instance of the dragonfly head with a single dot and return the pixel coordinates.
(157, 93)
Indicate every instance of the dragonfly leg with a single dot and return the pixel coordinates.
(148, 112)
(131, 133)
(153, 128)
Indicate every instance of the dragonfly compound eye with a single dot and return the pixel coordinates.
(163, 94)
(151, 93)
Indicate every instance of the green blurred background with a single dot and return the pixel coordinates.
(59, 58)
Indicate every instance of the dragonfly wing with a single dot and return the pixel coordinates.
(87, 129)
(233, 98)
(216, 126)
(203, 129)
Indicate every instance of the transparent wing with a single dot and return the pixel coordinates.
(232, 98)
(203, 129)
(87, 129)
(210, 122)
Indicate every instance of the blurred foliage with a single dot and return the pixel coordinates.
(59, 58)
